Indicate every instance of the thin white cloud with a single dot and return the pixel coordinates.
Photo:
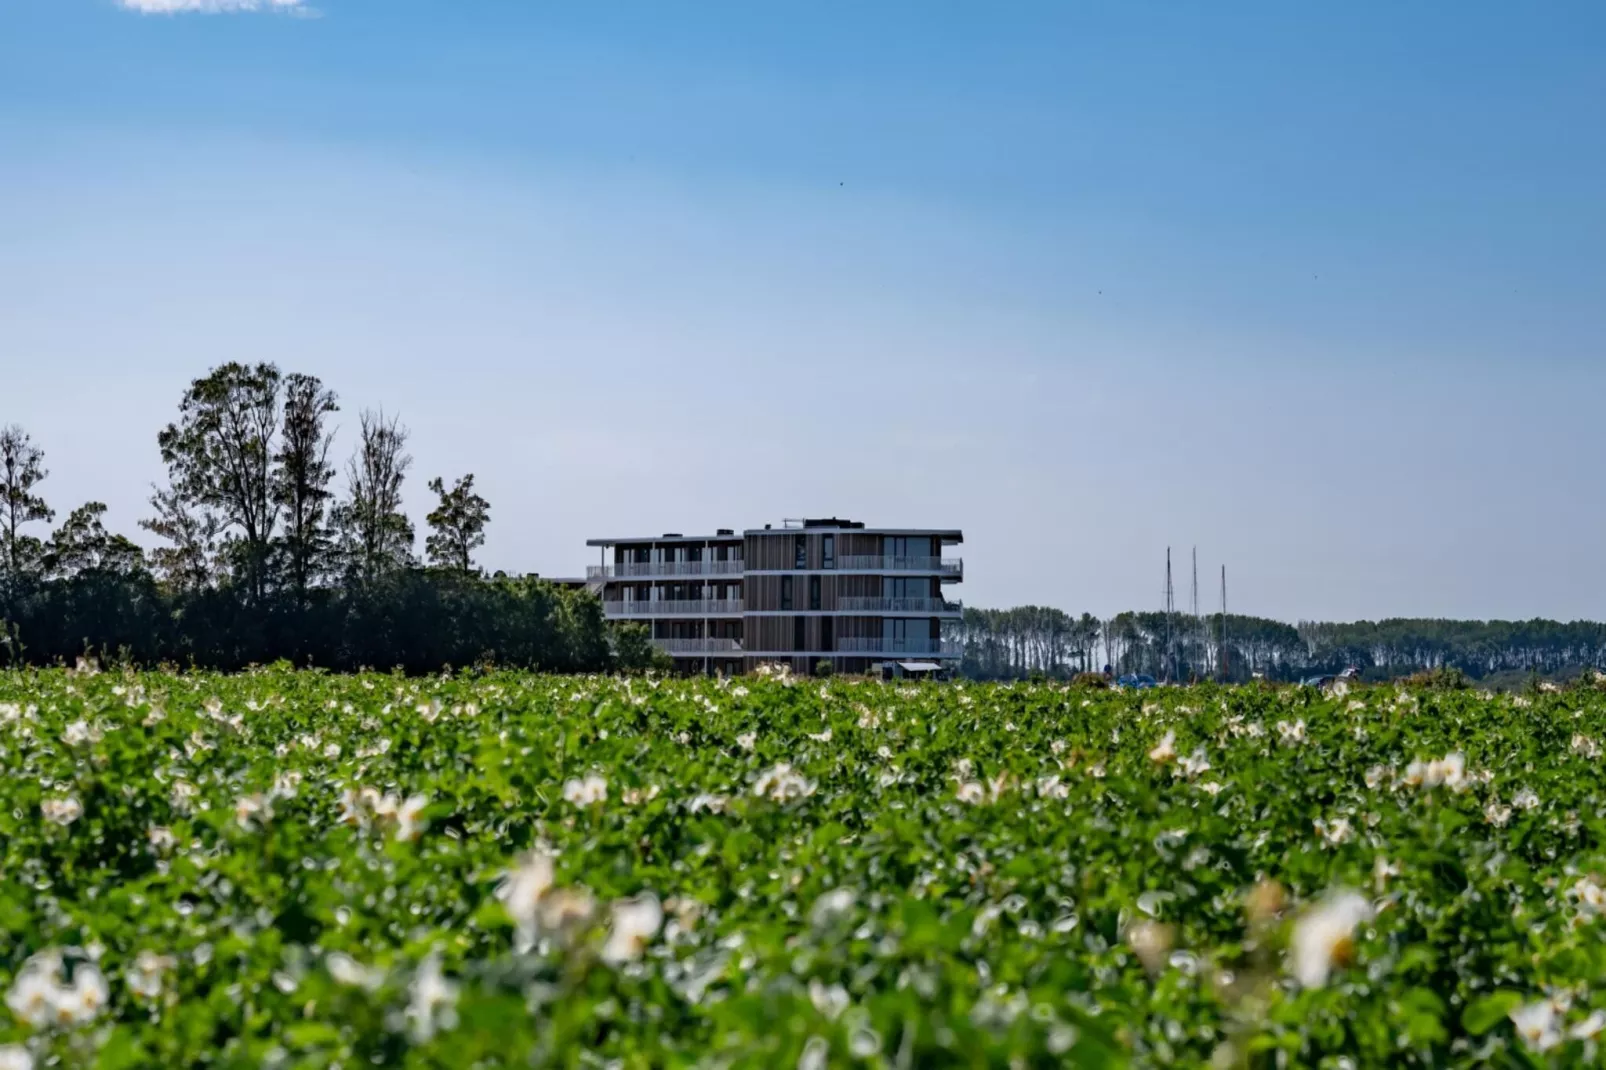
(212, 7)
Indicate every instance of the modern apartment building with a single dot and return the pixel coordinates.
(805, 592)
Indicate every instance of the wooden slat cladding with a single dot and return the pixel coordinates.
(850, 544)
(858, 627)
(764, 593)
(778, 549)
(769, 551)
(767, 633)
(857, 586)
(779, 634)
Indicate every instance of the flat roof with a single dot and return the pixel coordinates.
(944, 534)
(948, 534)
(666, 538)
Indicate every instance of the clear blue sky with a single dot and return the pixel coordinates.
(1317, 288)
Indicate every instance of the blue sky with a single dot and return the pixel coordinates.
(1319, 291)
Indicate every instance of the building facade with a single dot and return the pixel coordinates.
(805, 592)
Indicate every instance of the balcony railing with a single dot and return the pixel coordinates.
(702, 607)
(947, 566)
(636, 569)
(898, 605)
(898, 646)
(699, 646)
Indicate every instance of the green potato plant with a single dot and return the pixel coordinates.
(295, 869)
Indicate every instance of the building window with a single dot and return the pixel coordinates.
(800, 554)
(827, 634)
(814, 592)
(786, 592)
(830, 552)
(798, 638)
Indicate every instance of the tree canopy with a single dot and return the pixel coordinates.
(262, 558)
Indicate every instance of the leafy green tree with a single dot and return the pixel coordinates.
(634, 651)
(21, 469)
(188, 563)
(219, 456)
(82, 544)
(458, 523)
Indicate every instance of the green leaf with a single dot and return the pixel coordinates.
(1490, 1011)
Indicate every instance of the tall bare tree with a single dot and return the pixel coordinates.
(301, 477)
(459, 523)
(220, 456)
(375, 536)
(21, 469)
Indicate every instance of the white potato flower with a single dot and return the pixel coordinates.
(410, 822)
(1324, 936)
(635, 922)
(1334, 831)
(144, 977)
(781, 784)
(1195, 764)
(1536, 1025)
(1165, 750)
(253, 811)
(62, 811)
(432, 1000)
(521, 891)
(348, 971)
(1590, 1027)
(589, 791)
(832, 907)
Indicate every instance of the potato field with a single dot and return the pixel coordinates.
(294, 869)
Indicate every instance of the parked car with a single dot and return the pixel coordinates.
(1329, 679)
(1137, 680)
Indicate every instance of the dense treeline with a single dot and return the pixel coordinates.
(260, 560)
(1028, 640)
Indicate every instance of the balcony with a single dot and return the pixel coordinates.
(703, 607)
(899, 647)
(647, 569)
(935, 606)
(943, 566)
(698, 646)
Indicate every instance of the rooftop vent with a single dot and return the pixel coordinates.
(832, 522)
(673, 535)
(725, 531)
